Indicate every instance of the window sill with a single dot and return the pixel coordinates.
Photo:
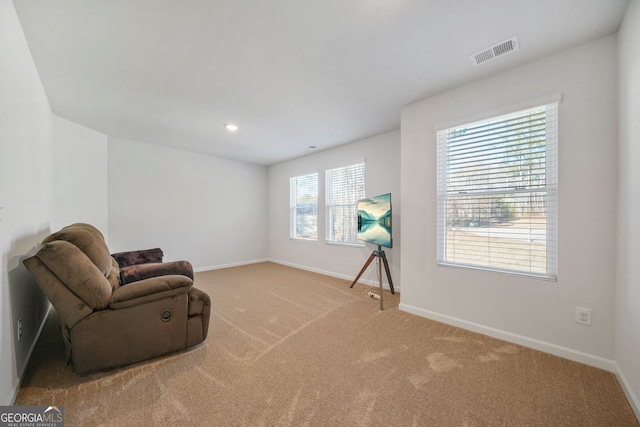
(354, 245)
(295, 239)
(548, 278)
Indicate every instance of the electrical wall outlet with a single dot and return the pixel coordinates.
(583, 316)
(20, 329)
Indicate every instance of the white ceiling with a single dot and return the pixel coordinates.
(290, 73)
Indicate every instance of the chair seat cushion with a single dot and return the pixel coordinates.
(135, 273)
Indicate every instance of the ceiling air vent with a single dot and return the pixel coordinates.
(495, 51)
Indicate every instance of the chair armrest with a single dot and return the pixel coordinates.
(143, 256)
(151, 289)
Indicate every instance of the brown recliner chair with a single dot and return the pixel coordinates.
(113, 315)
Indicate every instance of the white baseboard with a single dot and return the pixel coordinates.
(20, 377)
(556, 350)
(333, 274)
(628, 391)
(235, 264)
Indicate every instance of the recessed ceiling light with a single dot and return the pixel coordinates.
(231, 127)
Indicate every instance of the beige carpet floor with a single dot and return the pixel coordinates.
(292, 348)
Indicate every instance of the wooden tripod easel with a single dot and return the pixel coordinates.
(380, 254)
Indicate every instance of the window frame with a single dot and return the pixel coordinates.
(295, 208)
(348, 202)
(550, 190)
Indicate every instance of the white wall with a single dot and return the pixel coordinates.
(382, 156)
(25, 185)
(534, 312)
(627, 337)
(41, 156)
(80, 182)
(204, 209)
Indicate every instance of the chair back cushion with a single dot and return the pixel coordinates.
(114, 276)
(90, 241)
(70, 307)
(77, 272)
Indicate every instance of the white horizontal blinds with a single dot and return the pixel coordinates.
(344, 187)
(304, 207)
(497, 196)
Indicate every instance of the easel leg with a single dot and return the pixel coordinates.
(380, 254)
(380, 278)
(386, 267)
(373, 255)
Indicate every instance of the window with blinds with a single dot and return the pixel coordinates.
(304, 207)
(344, 187)
(497, 193)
